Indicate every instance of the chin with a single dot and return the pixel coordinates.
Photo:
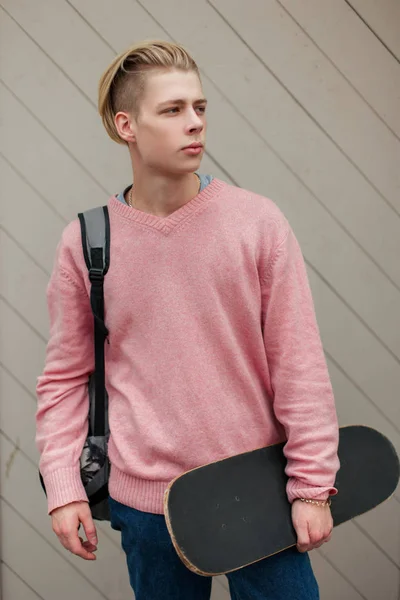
(189, 167)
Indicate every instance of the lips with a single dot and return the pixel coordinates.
(194, 145)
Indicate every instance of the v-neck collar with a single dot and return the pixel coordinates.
(167, 224)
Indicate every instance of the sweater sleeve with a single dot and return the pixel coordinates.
(62, 411)
(302, 393)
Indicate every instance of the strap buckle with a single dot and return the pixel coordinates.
(96, 275)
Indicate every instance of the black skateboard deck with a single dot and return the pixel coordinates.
(234, 512)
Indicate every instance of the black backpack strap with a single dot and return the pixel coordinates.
(95, 231)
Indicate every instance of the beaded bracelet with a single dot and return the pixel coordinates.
(317, 502)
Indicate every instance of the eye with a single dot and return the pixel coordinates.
(202, 109)
(172, 110)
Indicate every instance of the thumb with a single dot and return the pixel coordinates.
(88, 525)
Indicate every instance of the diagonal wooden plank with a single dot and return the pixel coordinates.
(60, 180)
(317, 85)
(14, 588)
(24, 207)
(331, 583)
(23, 284)
(36, 562)
(355, 51)
(383, 19)
(357, 351)
(43, 87)
(373, 575)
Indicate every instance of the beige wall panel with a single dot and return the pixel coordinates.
(65, 37)
(17, 415)
(267, 106)
(17, 217)
(21, 350)
(332, 585)
(118, 33)
(108, 573)
(374, 576)
(209, 166)
(220, 589)
(23, 284)
(44, 89)
(383, 17)
(14, 588)
(355, 408)
(50, 169)
(35, 560)
(383, 525)
(319, 87)
(356, 52)
(357, 350)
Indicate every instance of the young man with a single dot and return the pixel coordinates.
(213, 347)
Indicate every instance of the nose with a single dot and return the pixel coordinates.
(195, 122)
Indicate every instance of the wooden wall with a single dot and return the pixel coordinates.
(304, 108)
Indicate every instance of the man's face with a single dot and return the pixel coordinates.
(171, 117)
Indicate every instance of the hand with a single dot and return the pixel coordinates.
(313, 525)
(66, 521)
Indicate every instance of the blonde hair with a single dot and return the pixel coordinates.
(122, 83)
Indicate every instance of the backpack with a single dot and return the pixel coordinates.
(94, 462)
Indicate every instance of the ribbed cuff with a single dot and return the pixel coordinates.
(141, 494)
(299, 489)
(63, 487)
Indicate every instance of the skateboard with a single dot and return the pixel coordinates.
(231, 513)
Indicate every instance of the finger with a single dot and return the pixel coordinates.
(89, 526)
(77, 548)
(70, 540)
(303, 539)
(88, 545)
(316, 538)
(315, 546)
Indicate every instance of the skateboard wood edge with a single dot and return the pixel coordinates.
(178, 550)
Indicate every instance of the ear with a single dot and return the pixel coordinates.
(125, 126)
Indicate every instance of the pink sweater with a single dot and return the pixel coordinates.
(214, 350)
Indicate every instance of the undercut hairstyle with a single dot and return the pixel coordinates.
(122, 84)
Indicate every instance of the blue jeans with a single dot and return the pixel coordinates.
(157, 573)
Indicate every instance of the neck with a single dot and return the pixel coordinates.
(160, 194)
